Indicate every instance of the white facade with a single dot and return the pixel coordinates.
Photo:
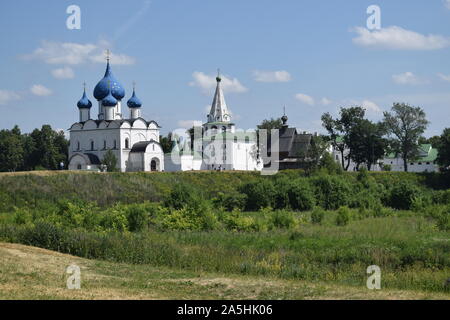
(426, 161)
(133, 141)
(217, 144)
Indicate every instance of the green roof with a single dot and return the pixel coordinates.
(431, 152)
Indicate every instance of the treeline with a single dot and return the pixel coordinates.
(43, 149)
(400, 132)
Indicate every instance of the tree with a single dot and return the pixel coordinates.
(340, 129)
(443, 147)
(166, 143)
(270, 124)
(312, 156)
(434, 141)
(405, 124)
(110, 160)
(367, 143)
(11, 149)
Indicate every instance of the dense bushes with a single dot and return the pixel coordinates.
(260, 194)
(332, 192)
(403, 195)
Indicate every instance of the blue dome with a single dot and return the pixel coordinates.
(134, 101)
(103, 87)
(84, 102)
(109, 101)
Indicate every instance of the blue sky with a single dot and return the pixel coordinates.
(311, 56)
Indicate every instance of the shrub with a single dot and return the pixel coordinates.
(403, 194)
(260, 194)
(182, 196)
(317, 215)
(343, 216)
(443, 220)
(301, 196)
(137, 218)
(236, 221)
(332, 192)
(231, 201)
(282, 219)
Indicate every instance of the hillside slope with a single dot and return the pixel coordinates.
(34, 273)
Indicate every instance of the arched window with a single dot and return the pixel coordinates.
(92, 145)
(115, 144)
(79, 167)
(214, 129)
(127, 143)
(104, 144)
(153, 147)
(78, 145)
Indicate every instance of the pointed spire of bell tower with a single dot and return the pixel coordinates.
(219, 110)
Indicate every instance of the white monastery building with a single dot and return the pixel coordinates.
(133, 140)
(216, 145)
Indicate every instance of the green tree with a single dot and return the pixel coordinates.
(11, 149)
(405, 124)
(444, 149)
(166, 143)
(367, 143)
(340, 130)
(270, 124)
(110, 160)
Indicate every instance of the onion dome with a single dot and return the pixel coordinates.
(134, 101)
(84, 102)
(109, 84)
(109, 100)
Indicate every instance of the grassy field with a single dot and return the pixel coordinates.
(172, 235)
(34, 273)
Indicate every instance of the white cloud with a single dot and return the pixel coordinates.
(189, 123)
(40, 90)
(444, 76)
(207, 82)
(408, 78)
(7, 96)
(70, 53)
(370, 106)
(397, 38)
(325, 101)
(63, 73)
(271, 76)
(305, 99)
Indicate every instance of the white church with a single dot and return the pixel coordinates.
(135, 141)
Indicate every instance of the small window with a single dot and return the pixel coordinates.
(224, 129)
(428, 163)
(213, 139)
(247, 139)
(420, 163)
(235, 139)
(78, 145)
(104, 144)
(153, 147)
(115, 144)
(92, 145)
(79, 167)
(337, 157)
(127, 143)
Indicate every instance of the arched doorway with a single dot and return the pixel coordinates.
(154, 164)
